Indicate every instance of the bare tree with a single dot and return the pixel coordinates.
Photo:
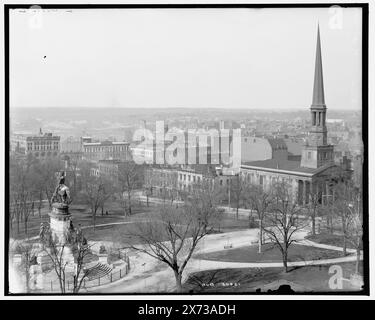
(94, 190)
(148, 184)
(283, 220)
(74, 168)
(55, 252)
(238, 190)
(314, 206)
(347, 205)
(340, 208)
(81, 251)
(45, 171)
(173, 234)
(28, 254)
(355, 226)
(107, 191)
(129, 179)
(260, 201)
(21, 193)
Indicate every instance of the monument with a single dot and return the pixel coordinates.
(60, 219)
(60, 228)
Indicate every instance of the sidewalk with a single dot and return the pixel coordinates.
(157, 277)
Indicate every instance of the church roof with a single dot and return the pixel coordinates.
(318, 93)
(284, 165)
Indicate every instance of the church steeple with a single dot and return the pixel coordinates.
(318, 93)
(317, 152)
(318, 132)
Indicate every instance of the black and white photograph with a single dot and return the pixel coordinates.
(173, 149)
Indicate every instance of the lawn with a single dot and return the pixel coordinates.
(330, 239)
(246, 280)
(120, 233)
(229, 223)
(270, 253)
(81, 214)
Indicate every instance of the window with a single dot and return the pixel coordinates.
(309, 155)
(261, 180)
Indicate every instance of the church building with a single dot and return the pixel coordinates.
(316, 169)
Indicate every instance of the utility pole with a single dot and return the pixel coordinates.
(259, 236)
(229, 185)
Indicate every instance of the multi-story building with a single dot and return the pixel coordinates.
(191, 175)
(71, 151)
(161, 182)
(43, 145)
(106, 150)
(70, 145)
(18, 143)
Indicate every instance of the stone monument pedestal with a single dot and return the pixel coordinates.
(60, 222)
(61, 227)
(44, 261)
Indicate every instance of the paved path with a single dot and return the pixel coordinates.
(310, 243)
(153, 276)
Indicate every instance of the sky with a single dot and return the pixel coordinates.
(198, 58)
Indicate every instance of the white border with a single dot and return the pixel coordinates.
(371, 161)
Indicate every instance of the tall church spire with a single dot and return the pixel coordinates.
(317, 152)
(318, 93)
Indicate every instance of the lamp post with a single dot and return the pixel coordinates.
(229, 186)
(259, 236)
(144, 272)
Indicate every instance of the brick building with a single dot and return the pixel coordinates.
(43, 145)
(105, 150)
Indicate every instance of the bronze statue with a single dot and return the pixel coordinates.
(44, 231)
(61, 194)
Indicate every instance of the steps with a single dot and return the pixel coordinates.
(98, 271)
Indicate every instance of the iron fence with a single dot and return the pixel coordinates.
(97, 281)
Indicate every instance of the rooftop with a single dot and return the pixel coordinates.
(283, 165)
(105, 143)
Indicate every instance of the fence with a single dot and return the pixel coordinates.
(98, 281)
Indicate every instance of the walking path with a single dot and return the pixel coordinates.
(150, 275)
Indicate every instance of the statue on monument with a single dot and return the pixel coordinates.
(44, 231)
(62, 193)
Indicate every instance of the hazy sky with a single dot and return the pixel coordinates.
(240, 58)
